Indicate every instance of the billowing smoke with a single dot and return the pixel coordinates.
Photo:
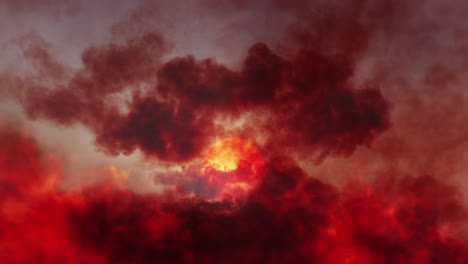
(308, 98)
(288, 217)
(238, 136)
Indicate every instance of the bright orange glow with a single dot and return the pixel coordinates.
(225, 155)
(232, 167)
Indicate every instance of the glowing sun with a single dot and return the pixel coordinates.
(227, 155)
(232, 167)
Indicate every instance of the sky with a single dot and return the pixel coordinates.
(185, 131)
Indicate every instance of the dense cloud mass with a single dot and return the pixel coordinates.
(288, 217)
(307, 94)
(233, 144)
(309, 97)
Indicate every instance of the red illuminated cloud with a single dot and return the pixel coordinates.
(238, 200)
(288, 217)
(309, 98)
(306, 95)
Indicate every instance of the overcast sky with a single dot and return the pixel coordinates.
(416, 56)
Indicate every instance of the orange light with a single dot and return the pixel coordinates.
(232, 167)
(225, 155)
(119, 176)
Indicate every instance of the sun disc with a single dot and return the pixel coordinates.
(225, 155)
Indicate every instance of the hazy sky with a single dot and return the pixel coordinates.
(416, 56)
(343, 125)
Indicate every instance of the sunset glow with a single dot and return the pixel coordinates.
(225, 155)
(233, 132)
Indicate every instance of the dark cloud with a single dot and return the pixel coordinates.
(170, 108)
(309, 100)
(288, 217)
(174, 117)
(169, 132)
